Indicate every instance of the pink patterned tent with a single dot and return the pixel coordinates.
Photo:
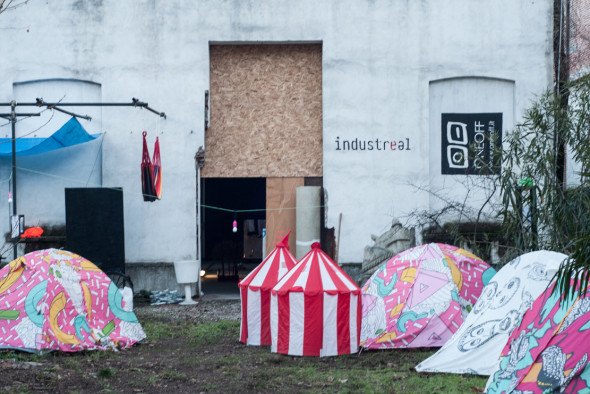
(549, 350)
(56, 300)
(420, 297)
(255, 294)
(315, 309)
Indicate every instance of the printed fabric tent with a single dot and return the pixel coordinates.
(315, 309)
(548, 351)
(476, 346)
(56, 300)
(255, 291)
(420, 297)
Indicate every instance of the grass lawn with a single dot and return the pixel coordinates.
(183, 356)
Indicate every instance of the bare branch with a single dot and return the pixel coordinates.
(7, 5)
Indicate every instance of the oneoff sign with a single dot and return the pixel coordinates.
(471, 143)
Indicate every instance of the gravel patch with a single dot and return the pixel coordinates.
(204, 311)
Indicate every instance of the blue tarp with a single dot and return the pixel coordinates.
(71, 133)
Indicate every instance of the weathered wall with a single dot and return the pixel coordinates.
(378, 58)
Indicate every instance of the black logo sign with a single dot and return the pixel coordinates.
(471, 144)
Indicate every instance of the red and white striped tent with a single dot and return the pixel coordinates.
(315, 309)
(255, 291)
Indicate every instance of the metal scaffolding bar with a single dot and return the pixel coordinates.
(41, 103)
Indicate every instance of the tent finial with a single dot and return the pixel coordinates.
(285, 242)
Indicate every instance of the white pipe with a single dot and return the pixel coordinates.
(307, 219)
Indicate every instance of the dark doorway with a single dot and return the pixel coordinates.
(225, 200)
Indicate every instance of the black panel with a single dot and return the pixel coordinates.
(95, 227)
(471, 143)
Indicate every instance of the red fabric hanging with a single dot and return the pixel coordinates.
(157, 166)
(147, 173)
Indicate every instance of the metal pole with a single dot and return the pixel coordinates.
(13, 122)
(134, 103)
(12, 116)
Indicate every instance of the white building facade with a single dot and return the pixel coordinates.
(405, 87)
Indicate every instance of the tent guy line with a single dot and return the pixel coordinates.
(256, 210)
(98, 154)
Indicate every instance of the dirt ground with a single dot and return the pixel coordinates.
(185, 361)
(154, 366)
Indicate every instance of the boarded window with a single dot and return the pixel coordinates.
(266, 111)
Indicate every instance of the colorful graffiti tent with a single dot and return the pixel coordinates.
(548, 351)
(476, 346)
(421, 296)
(255, 291)
(315, 309)
(56, 300)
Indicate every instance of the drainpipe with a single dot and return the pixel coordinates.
(561, 26)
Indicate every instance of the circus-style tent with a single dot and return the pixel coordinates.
(255, 291)
(548, 352)
(56, 300)
(421, 296)
(476, 346)
(315, 309)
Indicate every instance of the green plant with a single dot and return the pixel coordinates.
(173, 375)
(206, 334)
(574, 276)
(105, 373)
(539, 211)
(155, 330)
(153, 379)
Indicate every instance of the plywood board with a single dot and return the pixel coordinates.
(281, 214)
(266, 111)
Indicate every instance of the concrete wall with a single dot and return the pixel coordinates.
(379, 58)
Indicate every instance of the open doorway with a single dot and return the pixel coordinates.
(224, 200)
